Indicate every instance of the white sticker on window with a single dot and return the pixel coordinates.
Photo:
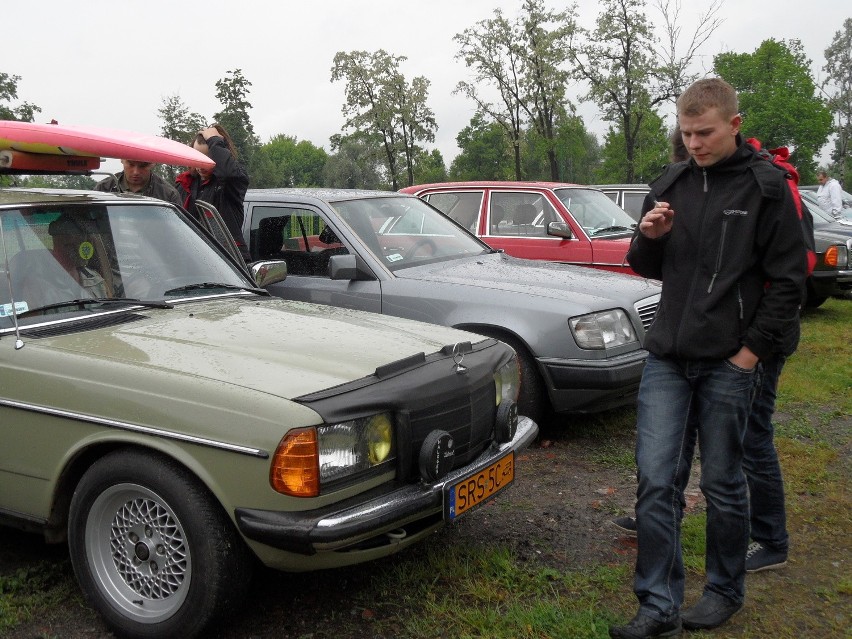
(394, 257)
(20, 307)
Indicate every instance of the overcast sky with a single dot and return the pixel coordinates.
(110, 63)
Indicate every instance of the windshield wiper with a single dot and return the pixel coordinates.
(612, 229)
(210, 285)
(88, 301)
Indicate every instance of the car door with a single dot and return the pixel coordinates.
(518, 222)
(303, 237)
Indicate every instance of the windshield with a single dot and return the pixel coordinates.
(595, 212)
(405, 231)
(78, 258)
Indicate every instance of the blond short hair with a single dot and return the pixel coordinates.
(707, 94)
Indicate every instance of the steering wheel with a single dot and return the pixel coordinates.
(426, 241)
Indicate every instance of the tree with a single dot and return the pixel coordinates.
(629, 74)
(81, 182)
(838, 67)
(286, 162)
(232, 92)
(380, 102)
(543, 54)
(651, 152)
(178, 124)
(578, 153)
(778, 100)
(25, 112)
(356, 162)
(429, 167)
(485, 152)
(489, 49)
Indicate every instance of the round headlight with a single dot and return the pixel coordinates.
(379, 436)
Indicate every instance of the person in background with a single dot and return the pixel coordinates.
(722, 202)
(829, 194)
(224, 186)
(138, 178)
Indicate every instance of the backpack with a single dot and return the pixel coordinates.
(780, 157)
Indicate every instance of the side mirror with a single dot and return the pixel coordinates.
(343, 267)
(268, 272)
(560, 229)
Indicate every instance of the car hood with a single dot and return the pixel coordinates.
(501, 272)
(270, 345)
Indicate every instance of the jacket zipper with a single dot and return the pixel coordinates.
(740, 300)
(719, 255)
(704, 171)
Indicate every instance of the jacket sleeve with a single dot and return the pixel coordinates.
(228, 170)
(645, 255)
(783, 261)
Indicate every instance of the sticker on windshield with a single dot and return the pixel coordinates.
(394, 257)
(20, 307)
(86, 250)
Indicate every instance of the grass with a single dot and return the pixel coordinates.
(27, 592)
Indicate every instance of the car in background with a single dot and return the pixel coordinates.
(538, 220)
(175, 424)
(832, 276)
(578, 332)
(629, 197)
(846, 199)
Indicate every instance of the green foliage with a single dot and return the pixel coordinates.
(650, 152)
(178, 124)
(381, 102)
(81, 182)
(24, 111)
(838, 69)
(285, 162)
(778, 100)
(576, 150)
(429, 167)
(356, 163)
(232, 92)
(486, 153)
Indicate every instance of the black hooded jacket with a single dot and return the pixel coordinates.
(733, 266)
(226, 189)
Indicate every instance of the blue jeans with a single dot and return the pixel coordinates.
(719, 396)
(760, 463)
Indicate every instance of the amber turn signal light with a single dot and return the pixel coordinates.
(295, 464)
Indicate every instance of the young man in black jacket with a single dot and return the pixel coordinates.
(722, 233)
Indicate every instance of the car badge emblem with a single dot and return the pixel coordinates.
(458, 358)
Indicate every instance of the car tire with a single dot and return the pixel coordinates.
(153, 552)
(532, 399)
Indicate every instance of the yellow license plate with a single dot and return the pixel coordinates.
(478, 488)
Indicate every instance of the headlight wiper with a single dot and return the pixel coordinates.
(210, 285)
(88, 301)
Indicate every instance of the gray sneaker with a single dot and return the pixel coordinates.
(759, 557)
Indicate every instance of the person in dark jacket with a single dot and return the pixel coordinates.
(138, 178)
(224, 187)
(722, 233)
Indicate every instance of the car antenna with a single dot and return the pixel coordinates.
(19, 343)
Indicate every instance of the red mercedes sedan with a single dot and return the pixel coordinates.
(538, 220)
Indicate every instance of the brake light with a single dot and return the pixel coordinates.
(295, 464)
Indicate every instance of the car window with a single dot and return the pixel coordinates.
(520, 214)
(405, 231)
(56, 254)
(463, 206)
(633, 204)
(595, 212)
(300, 236)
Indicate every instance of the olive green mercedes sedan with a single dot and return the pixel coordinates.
(173, 422)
